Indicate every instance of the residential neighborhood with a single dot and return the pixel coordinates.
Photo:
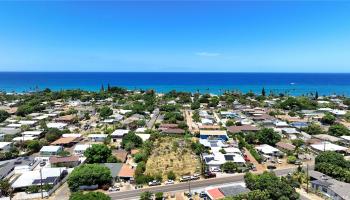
(57, 144)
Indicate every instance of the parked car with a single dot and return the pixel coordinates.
(154, 183)
(185, 178)
(42, 163)
(169, 182)
(202, 194)
(246, 158)
(209, 175)
(298, 162)
(113, 189)
(215, 170)
(271, 167)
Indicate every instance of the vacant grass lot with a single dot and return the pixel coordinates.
(172, 154)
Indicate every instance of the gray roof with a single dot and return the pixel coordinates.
(233, 190)
(338, 187)
(114, 167)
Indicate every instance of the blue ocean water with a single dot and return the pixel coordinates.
(291, 83)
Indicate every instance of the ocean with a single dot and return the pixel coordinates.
(216, 83)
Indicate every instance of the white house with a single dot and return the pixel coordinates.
(97, 137)
(267, 150)
(48, 176)
(50, 150)
(79, 149)
(5, 146)
(57, 125)
(328, 146)
(32, 133)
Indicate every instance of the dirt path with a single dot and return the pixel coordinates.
(259, 167)
(191, 125)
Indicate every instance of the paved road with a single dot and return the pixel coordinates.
(194, 184)
(151, 122)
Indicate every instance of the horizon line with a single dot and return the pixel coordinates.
(174, 72)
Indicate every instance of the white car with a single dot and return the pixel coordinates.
(169, 182)
(113, 189)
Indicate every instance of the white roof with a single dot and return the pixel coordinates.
(281, 123)
(143, 136)
(41, 117)
(50, 148)
(267, 149)
(4, 144)
(140, 130)
(27, 178)
(25, 138)
(346, 137)
(124, 111)
(206, 121)
(32, 132)
(81, 147)
(14, 125)
(338, 112)
(328, 146)
(120, 132)
(97, 135)
(58, 125)
(27, 122)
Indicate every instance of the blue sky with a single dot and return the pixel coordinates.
(175, 36)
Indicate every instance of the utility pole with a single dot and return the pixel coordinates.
(307, 178)
(41, 183)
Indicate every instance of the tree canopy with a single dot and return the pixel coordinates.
(98, 153)
(268, 136)
(3, 115)
(89, 174)
(276, 188)
(338, 130)
(89, 196)
(130, 141)
(105, 112)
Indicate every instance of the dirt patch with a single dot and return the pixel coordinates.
(172, 154)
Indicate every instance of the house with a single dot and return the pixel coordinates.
(213, 134)
(9, 131)
(32, 133)
(50, 150)
(65, 161)
(299, 124)
(206, 121)
(30, 123)
(330, 187)
(268, 150)
(243, 128)
(285, 146)
(57, 125)
(97, 137)
(119, 133)
(326, 137)
(328, 146)
(79, 149)
(214, 193)
(120, 171)
(228, 114)
(19, 165)
(175, 131)
(46, 175)
(68, 119)
(24, 138)
(65, 141)
(5, 146)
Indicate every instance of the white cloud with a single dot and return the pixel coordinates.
(207, 54)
